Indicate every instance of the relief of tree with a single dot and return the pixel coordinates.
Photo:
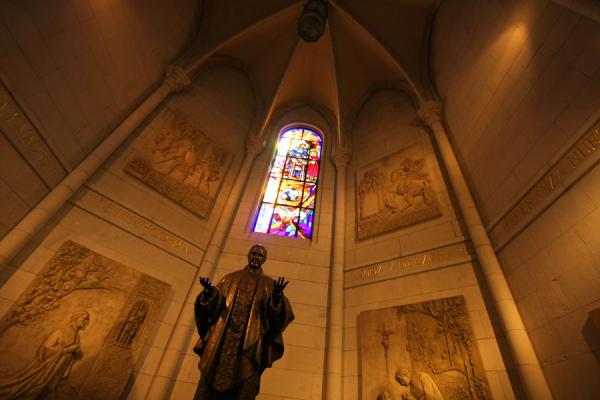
(73, 268)
(457, 345)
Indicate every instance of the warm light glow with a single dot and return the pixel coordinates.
(289, 199)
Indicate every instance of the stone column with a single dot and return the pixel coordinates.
(185, 326)
(335, 326)
(175, 80)
(532, 376)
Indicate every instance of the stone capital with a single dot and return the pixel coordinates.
(341, 157)
(430, 112)
(254, 145)
(176, 78)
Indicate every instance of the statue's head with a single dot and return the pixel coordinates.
(257, 256)
(80, 320)
(403, 376)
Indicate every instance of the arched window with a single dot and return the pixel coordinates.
(288, 203)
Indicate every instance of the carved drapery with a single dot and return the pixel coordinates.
(92, 316)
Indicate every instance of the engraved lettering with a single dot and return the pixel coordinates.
(132, 219)
(548, 184)
(400, 266)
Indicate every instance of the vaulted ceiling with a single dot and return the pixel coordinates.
(365, 45)
(75, 70)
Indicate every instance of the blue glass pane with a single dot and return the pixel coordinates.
(299, 149)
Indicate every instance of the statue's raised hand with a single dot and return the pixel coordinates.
(279, 285)
(206, 284)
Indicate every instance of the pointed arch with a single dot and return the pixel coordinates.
(289, 198)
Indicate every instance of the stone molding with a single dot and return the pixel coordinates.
(176, 78)
(452, 254)
(103, 207)
(255, 145)
(341, 157)
(575, 162)
(430, 112)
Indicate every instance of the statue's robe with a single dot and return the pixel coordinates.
(51, 364)
(240, 326)
(423, 387)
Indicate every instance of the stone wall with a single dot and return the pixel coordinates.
(553, 268)
(305, 263)
(522, 92)
(425, 261)
(519, 80)
(72, 74)
(126, 220)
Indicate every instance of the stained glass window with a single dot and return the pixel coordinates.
(288, 204)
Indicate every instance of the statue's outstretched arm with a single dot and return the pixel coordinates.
(207, 306)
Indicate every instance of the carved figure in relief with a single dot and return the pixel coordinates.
(385, 343)
(369, 188)
(410, 182)
(182, 163)
(393, 192)
(240, 322)
(422, 386)
(432, 354)
(384, 395)
(52, 363)
(132, 324)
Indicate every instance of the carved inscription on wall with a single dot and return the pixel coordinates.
(443, 256)
(78, 329)
(24, 136)
(584, 152)
(105, 208)
(393, 192)
(421, 351)
(181, 162)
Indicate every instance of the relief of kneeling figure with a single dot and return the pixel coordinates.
(52, 363)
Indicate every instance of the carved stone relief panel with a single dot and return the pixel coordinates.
(181, 162)
(394, 192)
(420, 351)
(78, 329)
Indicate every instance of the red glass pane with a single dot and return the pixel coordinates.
(284, 221)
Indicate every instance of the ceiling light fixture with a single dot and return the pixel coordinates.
(311, 24)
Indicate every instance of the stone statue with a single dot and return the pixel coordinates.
(240, 322)
(422, 386)
(134, 321)
(52, 363)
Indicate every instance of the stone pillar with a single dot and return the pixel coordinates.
(532, 376)
(335, 320)
(175, 80)
(185, 326)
